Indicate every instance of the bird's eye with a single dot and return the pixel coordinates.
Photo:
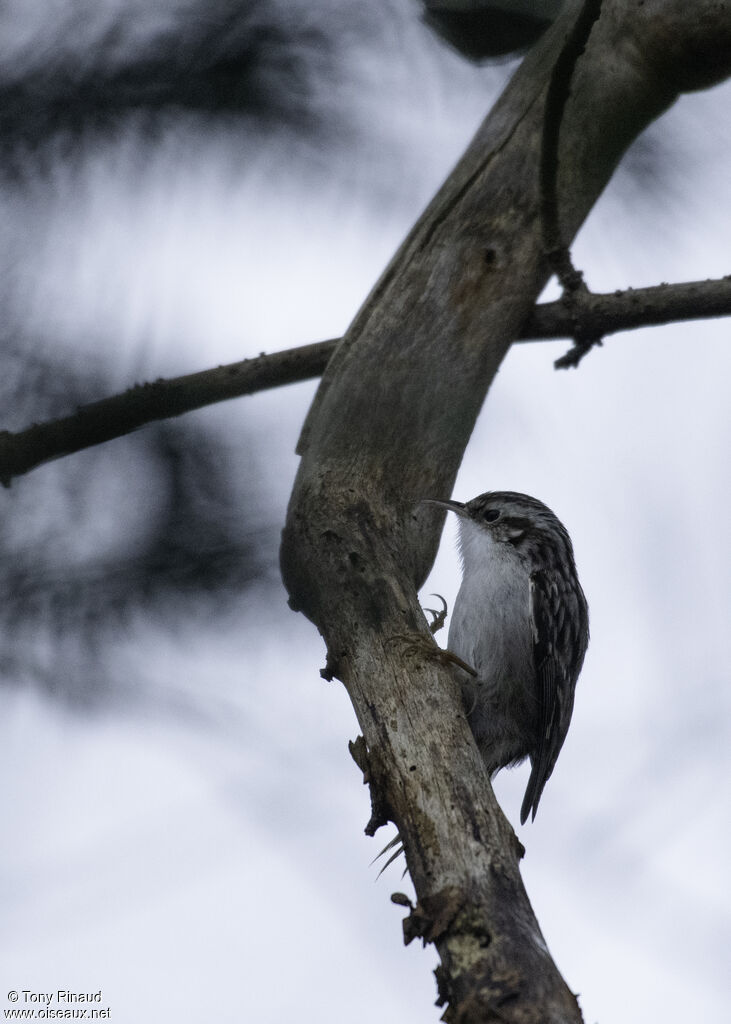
(492, 515)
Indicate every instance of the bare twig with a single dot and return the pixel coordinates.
(121, 414)
(556, 98)
(588, 314)
(557, 252)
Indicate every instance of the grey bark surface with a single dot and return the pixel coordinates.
(389, 425)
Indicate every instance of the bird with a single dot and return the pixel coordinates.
(521, 621)
(518, 635)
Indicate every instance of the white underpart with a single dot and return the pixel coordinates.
(491, 629)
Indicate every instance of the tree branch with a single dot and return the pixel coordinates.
(90, 425)
(586, 314)
(557, 96)
(145, 403)
(389, 424)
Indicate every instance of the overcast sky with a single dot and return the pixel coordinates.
(192, 844)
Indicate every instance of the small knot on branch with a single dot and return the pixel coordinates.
(576, 353)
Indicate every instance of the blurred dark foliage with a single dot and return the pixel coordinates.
(167, 524)
(261, 59)
(485, 29)
(171, 526)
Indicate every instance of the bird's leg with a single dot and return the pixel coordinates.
(418, 643)
(445, 656)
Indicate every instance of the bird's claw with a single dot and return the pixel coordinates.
(440, 617)
(415, 644)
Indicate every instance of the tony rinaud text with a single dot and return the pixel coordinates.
(61, 995)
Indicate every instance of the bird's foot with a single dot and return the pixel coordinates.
(439, 617)
(447, 657)
(417, 643)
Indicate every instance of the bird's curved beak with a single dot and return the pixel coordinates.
(451, 506)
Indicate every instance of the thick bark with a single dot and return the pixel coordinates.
(389, 424)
